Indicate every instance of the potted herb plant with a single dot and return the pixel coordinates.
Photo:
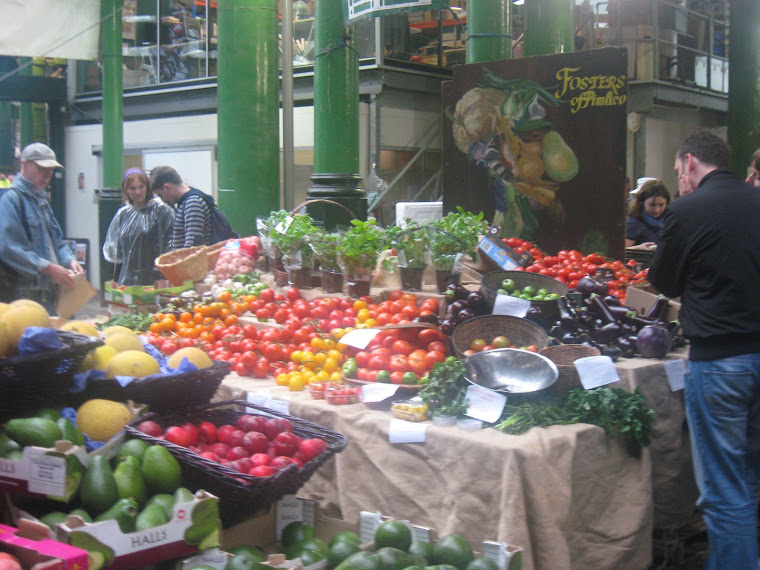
(359, 251)
(452, 236)
(411, 246)
(289, 236)
(326, 248)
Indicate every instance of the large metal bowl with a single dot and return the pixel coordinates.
(511, 370)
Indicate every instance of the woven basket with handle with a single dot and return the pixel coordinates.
(520, 332)
(564, 355)
(182, 264)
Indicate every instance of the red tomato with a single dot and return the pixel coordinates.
(207, 432)
(399, 363)
(430, 305)
(397, 377)
(426, 336)
(177, 436)
(379, 362)
(362, 374)
(293, 294)
(433, 357)
(438, 346)
(169, 347)
(250, 331)
(402, 347)
(381, 351)
(267, 295)
(261, 368)
(242, 369)
(410, 312)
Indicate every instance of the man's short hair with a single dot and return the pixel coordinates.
(707, 147)
(161, 175)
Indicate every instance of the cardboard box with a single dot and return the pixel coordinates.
(194, 527)
(140, 295)
(266, 529)
(500, 253)
(44, 554)
(642, 300)
(46, 473)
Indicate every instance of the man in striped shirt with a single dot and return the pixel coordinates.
(192, 220)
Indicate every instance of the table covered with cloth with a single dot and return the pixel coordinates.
(569, 495)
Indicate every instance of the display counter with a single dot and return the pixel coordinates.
(569, 495)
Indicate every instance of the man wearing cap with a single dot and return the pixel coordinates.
(35, 259)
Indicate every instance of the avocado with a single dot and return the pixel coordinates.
(98, 554)
(40, 432)
(81, 513)
(129, 480)
(151, 516)
(53, 518)
(161, 471)
(361, 561)
(166, 501)
(393, 558)
(70, 432)
(98, 491)
(205, 519)
(124, 512)
(183, 495)
(7, 445)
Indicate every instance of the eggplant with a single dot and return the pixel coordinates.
(465, 314)
(612, 351)
(627, 346)
(601, 307)
(607, 333)
(430, 319)
(657, 311)
(447, 325)
(477, 302)
(588, 285)
(612, 301)
(621, 312)
(456, 307)
(568, 317)
(654, 341)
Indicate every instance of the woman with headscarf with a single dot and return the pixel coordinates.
(139, 232)
(645, 215)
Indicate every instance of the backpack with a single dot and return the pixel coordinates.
(220, 225)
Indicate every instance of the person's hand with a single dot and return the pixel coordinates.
(647, 245)
(75, 267)
(684, 185)
(59, 275)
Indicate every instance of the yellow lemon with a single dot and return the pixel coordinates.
(194, 355)
(132, 363)
(102, 419)
(18, 318)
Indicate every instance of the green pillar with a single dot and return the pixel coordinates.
(33, 115)
(743, 80)
(6, 136)
(248, 111)
(113, 121)
(336, 117)
(549, 27)
(489, 30)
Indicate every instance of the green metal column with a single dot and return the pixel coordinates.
(489, 30)
(743, 81)
(33, 115)
(6, 137)
(248, 111)
(109, 199)
(336, 117)
(549, 27)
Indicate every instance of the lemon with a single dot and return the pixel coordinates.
(132, 363)
(29, 303)
(98, 359)
(108, 331)
(19, 317)
(4, 341)
(123, 341)
(80, 327)
(194, 355)
(100, 420)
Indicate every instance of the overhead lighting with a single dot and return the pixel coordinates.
(518, 2)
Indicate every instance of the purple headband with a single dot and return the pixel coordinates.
(131, 171)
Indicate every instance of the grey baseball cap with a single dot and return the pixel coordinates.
(41, 155)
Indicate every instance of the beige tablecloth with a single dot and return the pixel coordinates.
(571, 497)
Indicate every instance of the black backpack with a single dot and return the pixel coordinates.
(220, 225)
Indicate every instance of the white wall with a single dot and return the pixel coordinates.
(399, 129)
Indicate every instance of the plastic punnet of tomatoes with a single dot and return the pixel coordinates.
(341, 394)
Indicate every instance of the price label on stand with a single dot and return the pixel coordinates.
(675, 370)
(401, 431)
(47, 473)
(596, 371)
(359, 338)
(484, 404)
(510, 306)
(378, 392)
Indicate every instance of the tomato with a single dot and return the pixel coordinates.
(379, 362)
(242, 369)
(402, 347)
(438, 346)
(410, 312)
(383, 376)
(362, 374)
(267, 295)
(263, 314)
(410, 378)
(433, 357)
(417, 362)
(261, 368)
(248, 359)
(381, 352)
(500, 342)
(293, 294)
(426, 336)
(399, 363)
(477, 344)
(431, 305)
(177, 436)
(169, 347)
(273, 352)
(397, 377)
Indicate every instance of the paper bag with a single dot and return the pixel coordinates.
(73, 299)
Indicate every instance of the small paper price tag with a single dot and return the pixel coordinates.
(484, 404)
(675, 370)
(596, 371)
(289, 509)
(401, 431)
(282, 406)
(422, 534)
(496, 551)
(359, 338)
(511, 306)
(47, 473)
(378, 392)
(368, 523)
(283, 226)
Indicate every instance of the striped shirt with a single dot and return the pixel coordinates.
(192, 222)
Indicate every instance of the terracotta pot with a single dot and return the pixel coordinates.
(411, 278)
(332, 282)
(445, 278)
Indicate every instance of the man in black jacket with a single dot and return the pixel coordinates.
(710, 257)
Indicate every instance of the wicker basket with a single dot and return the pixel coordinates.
(520, 332)
(240, 496)
(160, 393)
(212, 253)
(36, 380)
(564, 355)
(549, 309)
(182, 264)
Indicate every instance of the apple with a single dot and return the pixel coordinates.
(261, 471)
(210, 455)
(177, 436)
(207, 432)
(243, 465)
(310, 448)
(285, 443)
(247, 423)
(260, 459)
(237, 452)
(192, 433)
(235, 438)
(223, 433)
(276, 425)
(220, 449)
(255, 442)
(150, 428)
(281, 462)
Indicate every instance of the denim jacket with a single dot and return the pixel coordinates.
(24, 216)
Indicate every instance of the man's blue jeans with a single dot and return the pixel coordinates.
(723, 409)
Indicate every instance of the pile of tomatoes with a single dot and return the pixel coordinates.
(570, 266)
(398, 356)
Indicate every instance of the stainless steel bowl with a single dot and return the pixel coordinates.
(511, 370)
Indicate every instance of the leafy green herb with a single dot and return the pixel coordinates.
(326, 246)
(362, 245)
(139, 322)
(292, 240)
(458, 232)
(445, 391)
(411, 245)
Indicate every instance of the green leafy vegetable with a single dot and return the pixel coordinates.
(361, 246)
(139, 322)
(445, 391)
(458, 232)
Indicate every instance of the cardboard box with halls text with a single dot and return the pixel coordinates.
(194, 527)
(45, 554)
(265, 531)
(642, 300)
